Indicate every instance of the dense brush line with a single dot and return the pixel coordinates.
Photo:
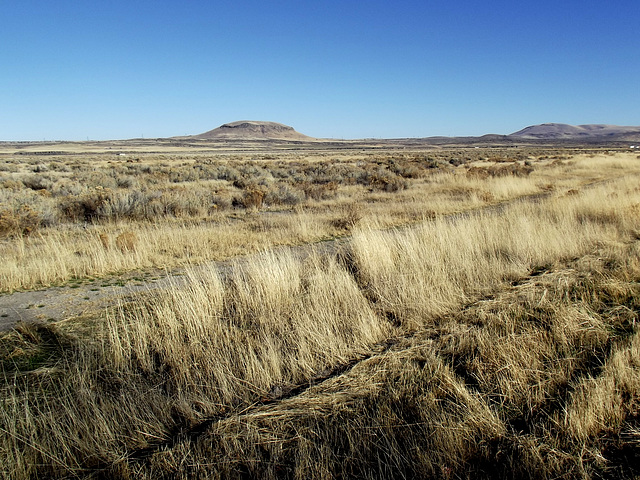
(175, 225)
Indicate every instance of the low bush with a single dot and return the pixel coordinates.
(21, 221)
(283, 194)
(320, 191)
(86, 207)
(384, 180)
(513, 169)
(253, 197)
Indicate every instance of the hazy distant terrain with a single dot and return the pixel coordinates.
(259, 135)
(255, 130)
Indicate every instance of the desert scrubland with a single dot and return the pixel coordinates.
(477, 318)
(80, 216)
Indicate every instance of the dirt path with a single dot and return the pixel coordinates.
(87, 297)
(57, 303)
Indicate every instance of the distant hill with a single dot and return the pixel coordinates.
(562, 131)
(253, 130)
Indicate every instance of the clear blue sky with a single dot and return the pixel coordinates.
(73, 70)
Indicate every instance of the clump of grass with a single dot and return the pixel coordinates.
(126, 241)
(278, 320)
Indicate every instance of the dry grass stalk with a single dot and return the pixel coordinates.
(126, 242)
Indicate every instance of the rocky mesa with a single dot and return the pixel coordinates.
(254, 130)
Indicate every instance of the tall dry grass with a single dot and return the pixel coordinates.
(57, 256)
(539, 381)
(424, 272)
(449, 393)
(183, 355)
(276, 321)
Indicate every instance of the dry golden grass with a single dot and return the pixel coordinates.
(423, 272)
(538, 382)
(276, 321)
(491, 344)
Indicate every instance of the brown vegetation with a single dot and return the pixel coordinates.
(126, 241)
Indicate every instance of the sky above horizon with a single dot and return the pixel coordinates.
(332, 69)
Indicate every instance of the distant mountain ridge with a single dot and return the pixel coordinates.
(546, 132)
(562, 131)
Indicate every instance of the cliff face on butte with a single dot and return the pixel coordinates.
(253, 130)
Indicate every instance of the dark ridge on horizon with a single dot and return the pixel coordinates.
(261, 130)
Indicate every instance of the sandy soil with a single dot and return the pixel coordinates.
(69, 301)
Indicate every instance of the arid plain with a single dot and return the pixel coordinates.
(297, 308)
